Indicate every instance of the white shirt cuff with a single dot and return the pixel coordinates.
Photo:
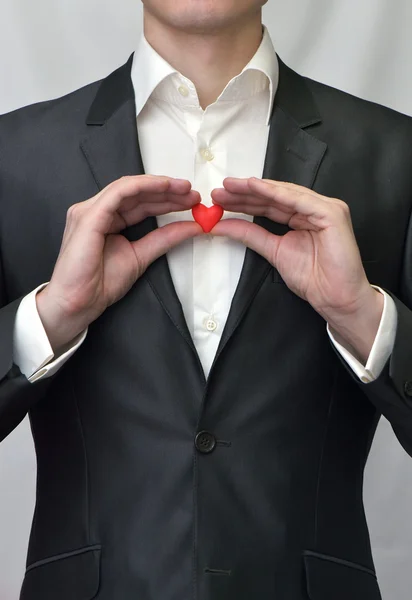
(32, 352)
(382, 347)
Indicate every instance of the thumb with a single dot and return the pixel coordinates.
(253, 236)
(161, 240)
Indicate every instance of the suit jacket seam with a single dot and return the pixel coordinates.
(83, 146)
(195, 514)
(86, 469)
(2, 270)
(331, 403)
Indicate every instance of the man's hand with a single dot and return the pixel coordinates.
(97, 265)
(319, 259)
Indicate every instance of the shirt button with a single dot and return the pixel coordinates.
(207, 154)
(183, 91)
(210, 324)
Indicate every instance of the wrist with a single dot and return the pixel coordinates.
(359, 328)
(60, 327)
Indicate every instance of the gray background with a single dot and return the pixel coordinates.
(49, 48)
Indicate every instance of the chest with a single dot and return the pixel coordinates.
(227, 139)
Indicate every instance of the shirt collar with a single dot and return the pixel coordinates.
(149, 70)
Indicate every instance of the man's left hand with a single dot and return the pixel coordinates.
(319, 259)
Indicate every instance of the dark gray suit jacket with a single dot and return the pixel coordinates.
(267, 504)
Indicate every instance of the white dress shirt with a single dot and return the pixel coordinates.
(179, 139)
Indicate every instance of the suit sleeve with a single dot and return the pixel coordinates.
(17, 394)
(391, 392)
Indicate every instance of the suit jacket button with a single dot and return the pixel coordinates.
(408, 388)
(205, 442)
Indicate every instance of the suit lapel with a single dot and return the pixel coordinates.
(112, 151)
(293, 155)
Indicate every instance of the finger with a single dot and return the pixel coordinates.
(161, 240)
(237, 185)
(251, 205)
(254, 185)
(229, 201)
(252, 196)
(151, 204)
(319, 211)
(222, 195)
(297, 188)
(116, 193)
(151, 208)
(234, 184)
(107, 213)
(251, 235)
(271, 213)
(266, 203)
(126, 183)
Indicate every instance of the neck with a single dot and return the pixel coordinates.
(209, 60)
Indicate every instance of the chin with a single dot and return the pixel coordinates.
(200, 16)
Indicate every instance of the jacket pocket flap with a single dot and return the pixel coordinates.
(66, 576)
(328, 577)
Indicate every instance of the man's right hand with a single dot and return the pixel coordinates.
(97, 265)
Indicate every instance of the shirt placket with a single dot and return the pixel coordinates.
(210, 254)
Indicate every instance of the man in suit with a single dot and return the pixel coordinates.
(203, 405)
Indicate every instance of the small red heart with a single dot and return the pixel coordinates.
(207, 217)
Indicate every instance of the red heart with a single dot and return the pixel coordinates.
(207, 217)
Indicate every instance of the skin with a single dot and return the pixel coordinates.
(209, 42)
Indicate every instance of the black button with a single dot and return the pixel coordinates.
(205, 442)
(408, 388)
